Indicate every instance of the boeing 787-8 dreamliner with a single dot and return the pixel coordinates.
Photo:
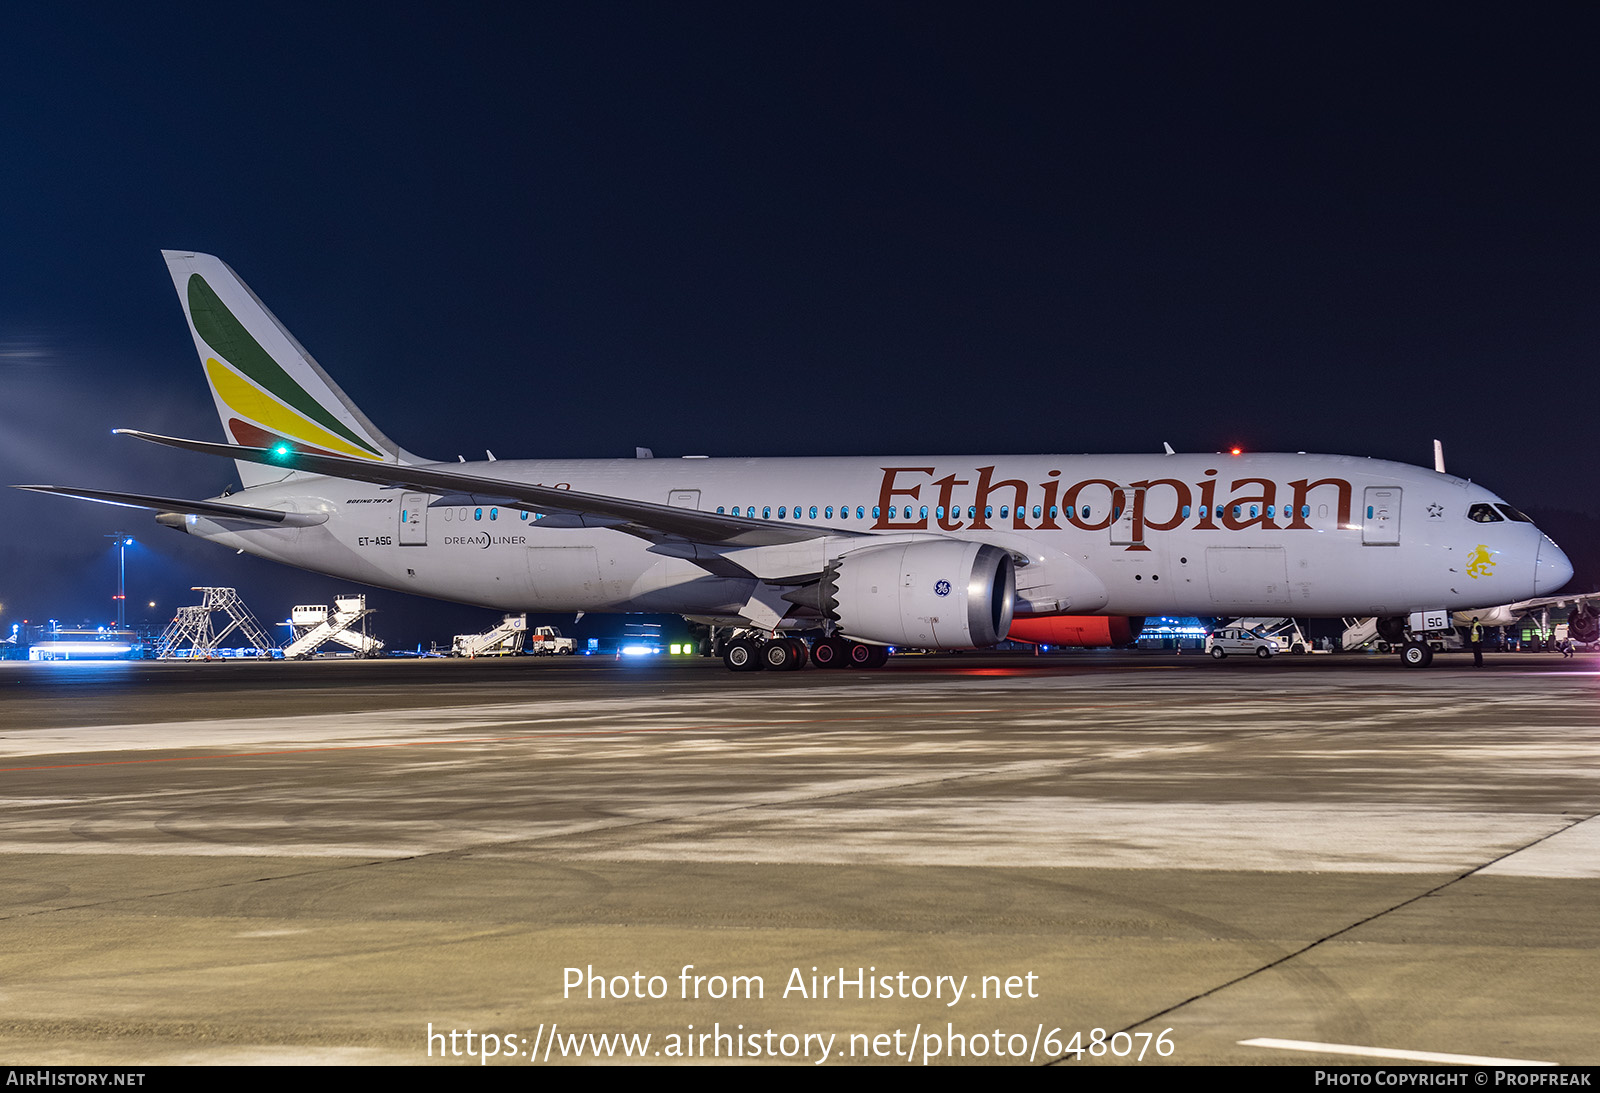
(858, 554)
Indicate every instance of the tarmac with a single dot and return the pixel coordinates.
(1091, 858)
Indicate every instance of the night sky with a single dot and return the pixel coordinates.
(801, 229)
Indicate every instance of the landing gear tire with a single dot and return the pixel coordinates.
(802, 653)
(784, 655)
(742, 655)
(866, 656)
(829, 653)
(1416, 654)
(1218, 652)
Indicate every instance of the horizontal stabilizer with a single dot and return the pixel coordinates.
(216, 510)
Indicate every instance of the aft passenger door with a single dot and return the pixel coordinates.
(414, 519)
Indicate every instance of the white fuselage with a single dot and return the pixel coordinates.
(1260, 534)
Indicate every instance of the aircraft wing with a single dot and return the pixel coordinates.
(1583, 623)
(1570, 599)
(214, 509)
(654, 522)
(1526, 607)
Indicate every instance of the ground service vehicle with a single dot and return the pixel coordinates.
(1238, 641)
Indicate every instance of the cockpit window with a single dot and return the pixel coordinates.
(1513, 514)
(1484, 514)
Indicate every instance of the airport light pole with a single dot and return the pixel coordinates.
(123, 541)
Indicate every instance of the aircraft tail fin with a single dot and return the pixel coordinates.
(268, 390)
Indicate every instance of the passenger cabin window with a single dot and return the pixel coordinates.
(1484, 514)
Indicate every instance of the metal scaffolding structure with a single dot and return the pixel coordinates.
(191, 633)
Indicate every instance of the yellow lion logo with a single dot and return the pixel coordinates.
(1481, 562)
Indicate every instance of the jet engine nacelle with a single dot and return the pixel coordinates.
(1583, 625)
(1079, 631)
(940, 594)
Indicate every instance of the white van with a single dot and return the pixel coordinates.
(1234, 639)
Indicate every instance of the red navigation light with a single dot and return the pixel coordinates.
(1235, 451)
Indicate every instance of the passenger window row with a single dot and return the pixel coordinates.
(909, 512)
(800, 512)
(493, 512)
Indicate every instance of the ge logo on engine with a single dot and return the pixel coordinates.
(942, 588)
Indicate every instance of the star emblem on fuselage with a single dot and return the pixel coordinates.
(1435, 511)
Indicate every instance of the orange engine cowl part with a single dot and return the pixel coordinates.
(1086, 631)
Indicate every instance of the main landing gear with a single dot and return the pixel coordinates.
(752, 654)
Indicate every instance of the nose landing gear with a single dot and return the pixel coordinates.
(1416, 654)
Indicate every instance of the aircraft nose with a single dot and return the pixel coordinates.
(1551, 569)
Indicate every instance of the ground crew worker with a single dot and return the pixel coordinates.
(1477, 643)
